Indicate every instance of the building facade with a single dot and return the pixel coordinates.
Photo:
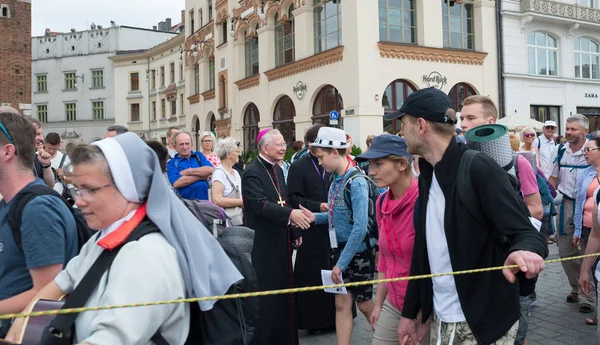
(15, 54)
(73, 79)
(552, 59)
(150, 89)
(288, 64)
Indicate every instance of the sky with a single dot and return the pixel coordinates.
(62, 15)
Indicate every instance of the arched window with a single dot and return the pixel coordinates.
(458, 93)
(213, 124)
(283, 119)
(5, 12)
(587, 58)
(328, 25)
(251, 119)
(457, 23)
(393, 98)
(196, 131)
(397, 21)
(284, 39)
(542, 54)
(327, 99)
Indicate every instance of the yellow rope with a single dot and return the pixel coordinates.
(275, 292)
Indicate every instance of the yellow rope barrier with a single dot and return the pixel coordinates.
(275, 292)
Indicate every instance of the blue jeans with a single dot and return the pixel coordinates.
(525, 302)
(4, 327)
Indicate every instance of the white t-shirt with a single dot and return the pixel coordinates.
(229, 181)
(445, 297)
(546, 147)
(55, 164)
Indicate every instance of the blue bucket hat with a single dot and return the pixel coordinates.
(386, 145)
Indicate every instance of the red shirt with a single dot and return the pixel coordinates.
(396, 240)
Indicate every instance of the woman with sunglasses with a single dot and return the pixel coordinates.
(587, 183)
(208, 142)
(528, 137)
(226, 189)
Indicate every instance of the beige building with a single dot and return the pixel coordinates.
(287, 64)
(150, 89)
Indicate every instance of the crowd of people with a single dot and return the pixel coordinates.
(431, 199)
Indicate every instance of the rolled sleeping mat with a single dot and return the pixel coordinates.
(494, 141)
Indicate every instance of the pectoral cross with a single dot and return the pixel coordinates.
(281, 202)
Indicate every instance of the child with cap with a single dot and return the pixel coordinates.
(348, 239)
(390, 167)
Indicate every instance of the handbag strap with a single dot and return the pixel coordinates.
(233, 186)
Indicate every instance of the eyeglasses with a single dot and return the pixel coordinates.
(86, 193)
(238, 144)
(280, 145)
(207, 141)
(10, 139)
(588, 149)
(529, 135)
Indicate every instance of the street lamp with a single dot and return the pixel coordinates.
(234, 20)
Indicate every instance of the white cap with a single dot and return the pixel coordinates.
(550, 123)
(333, 138)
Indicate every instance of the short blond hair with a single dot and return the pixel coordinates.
(489, 108)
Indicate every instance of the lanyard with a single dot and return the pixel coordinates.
(332, 203)
(317, 169)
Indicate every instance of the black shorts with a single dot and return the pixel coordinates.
(361, 268)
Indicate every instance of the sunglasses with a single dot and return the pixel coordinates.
(529, 135)
(10, 139)
(551, 128)
(588, 149)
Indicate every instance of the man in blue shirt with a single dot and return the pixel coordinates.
(189, 170)
(48, 229)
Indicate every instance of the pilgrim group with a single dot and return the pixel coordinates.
(431, 199)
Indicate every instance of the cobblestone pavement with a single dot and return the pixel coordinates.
(553, 321)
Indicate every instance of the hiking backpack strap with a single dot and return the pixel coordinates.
(464, 186)
(348, 191)
(61, 328)
(20, 201)
(559, 156)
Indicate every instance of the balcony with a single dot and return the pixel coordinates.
(561, 9)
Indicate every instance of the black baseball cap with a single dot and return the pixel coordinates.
(430, 104)
(386, 145)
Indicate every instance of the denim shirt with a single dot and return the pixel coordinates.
(351, 235)
(583, 182)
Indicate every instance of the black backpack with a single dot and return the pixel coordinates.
(373, 231)
(15, 214)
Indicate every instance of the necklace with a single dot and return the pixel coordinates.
(281, 202)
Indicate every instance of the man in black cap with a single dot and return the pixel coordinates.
(449, 236)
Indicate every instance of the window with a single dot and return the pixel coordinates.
(196, 79)
(181, 76)
(135, 81)
(210, 11)
(251, 119)
(181, 104)
(97, 110)
(251, 49)
(201, 19)
(457, 21)
(397, 21)
(211, 73)
(5, 11)
(153, 110)
(42, 83)
(42, 113)
(283, 119)
(458, 93)
(593, 115)
(71, 112)
(327, 99)
(393, 98)
(545, 113)
(223, 92)
(224, 33)
(172, 72)
(153, 77)
(587, 59)
(162, 76)
(284, 40)
(192, 28)
(213, 124)
(97, 79)
(70, 81)
(163, 108)
(173, 107)
(135, 112)
(542, 54)
(589, 3)
(328, 25)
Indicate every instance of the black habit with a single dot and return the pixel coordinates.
(262, 184)
(308, 185)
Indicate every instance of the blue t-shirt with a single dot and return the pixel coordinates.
(48, 236)
(197, 190)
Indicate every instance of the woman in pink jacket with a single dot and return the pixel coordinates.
(390, 167)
